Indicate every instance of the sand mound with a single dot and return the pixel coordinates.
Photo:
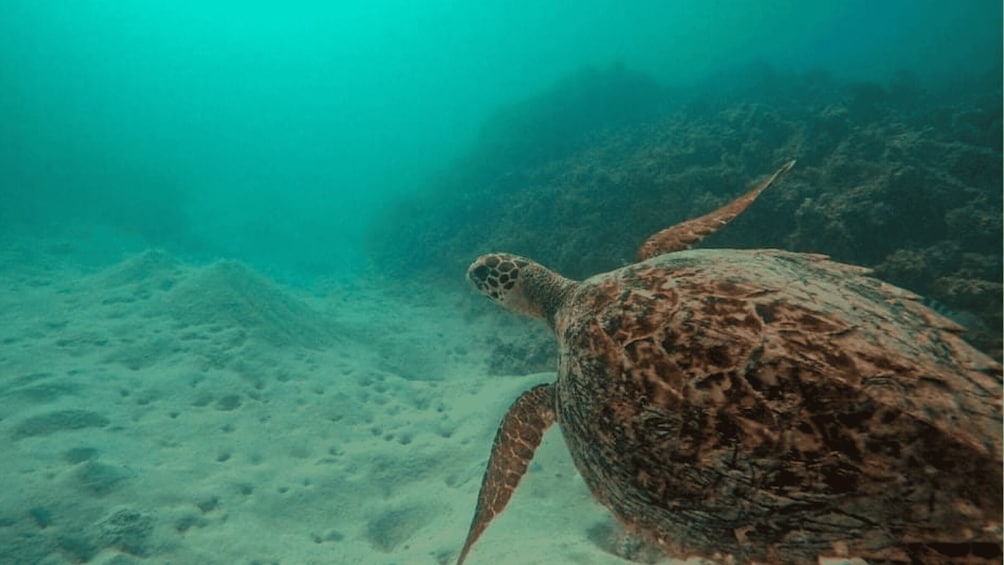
(228, 294)
(150, 269)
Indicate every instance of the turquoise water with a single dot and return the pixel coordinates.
(276, 133)
(234, 326)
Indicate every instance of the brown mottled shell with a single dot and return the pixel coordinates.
(778, 406)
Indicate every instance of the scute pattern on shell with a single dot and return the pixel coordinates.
(778, 406)
(757, 405)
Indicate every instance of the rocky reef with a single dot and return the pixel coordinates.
(903, 177)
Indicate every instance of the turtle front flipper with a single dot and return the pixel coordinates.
(517, 438)
(685, 235)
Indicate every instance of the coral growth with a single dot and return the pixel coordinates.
(899, 177)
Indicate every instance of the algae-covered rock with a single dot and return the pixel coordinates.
(887, 174)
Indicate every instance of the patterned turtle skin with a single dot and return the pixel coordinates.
(757, 405)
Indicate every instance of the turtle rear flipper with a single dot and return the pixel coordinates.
(619, 540)
(518, 436)
(689, 233)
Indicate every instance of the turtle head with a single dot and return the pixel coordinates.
(519, 284)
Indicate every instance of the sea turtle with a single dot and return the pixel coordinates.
(757, 405)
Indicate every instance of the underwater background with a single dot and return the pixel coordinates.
(233, 236)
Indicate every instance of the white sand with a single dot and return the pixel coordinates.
(153, 411)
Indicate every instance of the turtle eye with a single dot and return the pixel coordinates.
(479, 274)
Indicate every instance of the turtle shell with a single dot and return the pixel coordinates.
(779, 406)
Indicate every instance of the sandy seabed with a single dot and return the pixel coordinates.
(159, 411)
